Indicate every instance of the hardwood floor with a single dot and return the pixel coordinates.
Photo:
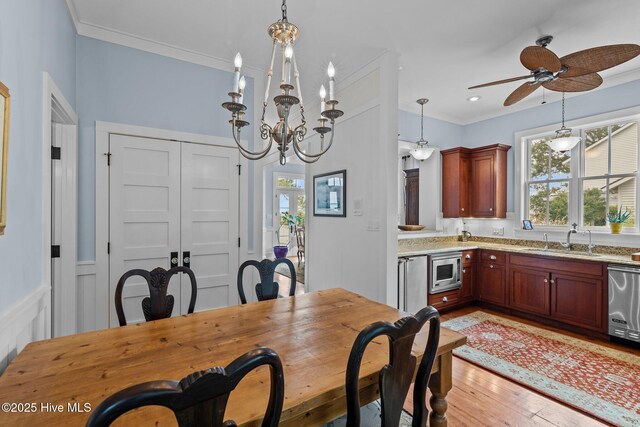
(481, 398)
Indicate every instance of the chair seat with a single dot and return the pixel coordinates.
(370, 416)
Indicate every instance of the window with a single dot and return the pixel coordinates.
(596, 178)
(548, 183)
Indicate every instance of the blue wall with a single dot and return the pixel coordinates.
(439, 133)
(35, 36)
(503, 129)
(123, 85)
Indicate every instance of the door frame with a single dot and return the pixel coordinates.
(276, 202)
(55, 106)
(103, 130)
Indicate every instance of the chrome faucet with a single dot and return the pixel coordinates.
(545, 237)
(591, 246)
(465, 235)
(568, 245)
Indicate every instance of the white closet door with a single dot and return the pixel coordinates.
(144, 216)
(210, 185)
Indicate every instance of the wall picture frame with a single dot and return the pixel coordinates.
(526, 224)
(4, 150)
(330, 194)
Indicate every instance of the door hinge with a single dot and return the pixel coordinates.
(108, 158)
(56, 153)
(238, 242)
(239, 169)
(108, 247)
(55, 251)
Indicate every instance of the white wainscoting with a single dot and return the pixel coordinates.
(87, 314)
(27, 321)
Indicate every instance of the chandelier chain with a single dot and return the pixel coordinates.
(284, 11)
(563, 109)
(421, 122)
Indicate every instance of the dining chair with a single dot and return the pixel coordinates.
(200, 398)
(395, 377)
(158, 305)
(266, 289)
(300, 243)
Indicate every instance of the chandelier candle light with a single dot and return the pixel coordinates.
(284, 34)
(563, 140)
(422, 150)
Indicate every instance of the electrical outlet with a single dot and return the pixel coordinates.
(498, 231)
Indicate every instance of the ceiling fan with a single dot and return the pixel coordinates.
(576, 72)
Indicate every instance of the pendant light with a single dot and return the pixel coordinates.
(422, 150)
(563, 140)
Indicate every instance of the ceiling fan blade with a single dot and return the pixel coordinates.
(522, 92)
(597, 59)
(499, 82)
(575, 84)
(534, 57)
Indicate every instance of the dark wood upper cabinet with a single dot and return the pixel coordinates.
(474, 182)
(412, 192)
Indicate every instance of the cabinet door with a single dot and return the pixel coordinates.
(465, 177)
(529, 290)
(412, 192)
(483, 186)
(491, 279)
(577, 300)
(468, 279)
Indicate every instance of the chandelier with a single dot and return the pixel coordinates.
(563, 140)
(284, 34)
(422, 150)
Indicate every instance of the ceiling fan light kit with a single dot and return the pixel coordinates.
(422, 150)
(284, 34)
(576, 72)
(563, 140)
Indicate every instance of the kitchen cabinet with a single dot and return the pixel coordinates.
(577, 300)
(412, 189)
(468, 276)
(529, 290)
(491, 275)
(474, 182)
(456, 175)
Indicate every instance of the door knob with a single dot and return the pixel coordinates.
(186, 259)
(173, 259)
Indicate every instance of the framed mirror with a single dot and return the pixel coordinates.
(4, 148)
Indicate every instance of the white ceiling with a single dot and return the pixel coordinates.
(444, 46)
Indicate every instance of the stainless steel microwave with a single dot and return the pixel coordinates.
(445, 272)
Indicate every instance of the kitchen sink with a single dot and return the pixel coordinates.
(538, 251)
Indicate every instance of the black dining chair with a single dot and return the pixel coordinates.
(199, 399)
(267, 289)
(158, 305)
(395, 377)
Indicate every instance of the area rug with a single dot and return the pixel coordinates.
(597, 380)
(284, 270)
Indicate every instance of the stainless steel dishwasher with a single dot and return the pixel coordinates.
(412, 283)
(624, 302)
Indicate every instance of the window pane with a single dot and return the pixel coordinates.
(539, 164)
(290, 183)
(538, 203)
(594, 199)
(559, 203)
(560, 165)
(622, 193)
(596, 154)
(624, 148)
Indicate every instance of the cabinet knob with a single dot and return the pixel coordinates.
(467, 256)
(464, 270)
(491, 266)
(462, 209)
(492, 257)
(490, 209)
(553, 281)
(445, 299)
(546, 281)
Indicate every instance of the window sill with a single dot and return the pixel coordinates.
(598, 237)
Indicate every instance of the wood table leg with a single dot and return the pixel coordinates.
(440, 383)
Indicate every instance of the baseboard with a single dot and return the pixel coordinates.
(27, 321)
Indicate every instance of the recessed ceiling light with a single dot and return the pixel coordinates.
(473, 98)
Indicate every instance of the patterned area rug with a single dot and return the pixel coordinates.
(284, 270)
(595, 379)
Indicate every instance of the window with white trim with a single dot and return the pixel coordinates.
(597, 178)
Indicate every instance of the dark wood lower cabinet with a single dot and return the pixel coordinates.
(529, 290)
(577, 300)
(468, 282)
(491, 281)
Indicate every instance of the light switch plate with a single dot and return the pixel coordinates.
(498, 231)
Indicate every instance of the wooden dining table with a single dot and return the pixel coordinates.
(62, 379)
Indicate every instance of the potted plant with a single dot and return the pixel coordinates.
(616, 219)
(290, 221)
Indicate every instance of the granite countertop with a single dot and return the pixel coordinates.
(434, 247)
